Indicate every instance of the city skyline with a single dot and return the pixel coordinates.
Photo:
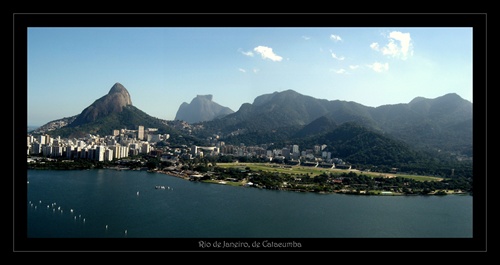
(166, 66)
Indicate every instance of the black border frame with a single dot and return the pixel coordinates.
(478, 21)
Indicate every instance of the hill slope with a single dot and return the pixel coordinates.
(112, 111)
(443, 123)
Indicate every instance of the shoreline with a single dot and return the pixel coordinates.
(185, 175)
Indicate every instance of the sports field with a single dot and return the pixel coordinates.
(314, 171)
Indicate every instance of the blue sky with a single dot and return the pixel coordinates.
(69, 68)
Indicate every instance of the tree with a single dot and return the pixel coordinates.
(166, 163)
(152, 163)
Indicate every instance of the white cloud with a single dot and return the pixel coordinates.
(340, 58)
(405, 42)
(249, 53)
(353, 67)
(335, 37)
(306, 37)
(391, 49)
(339, 71)
(374, 46)
(267, 53)
(254, 70)
(399, 46)
(379, 67)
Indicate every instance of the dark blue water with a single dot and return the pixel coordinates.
(105, 203)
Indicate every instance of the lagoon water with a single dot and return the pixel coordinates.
(106, 203)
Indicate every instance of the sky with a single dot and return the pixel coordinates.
(162, 67)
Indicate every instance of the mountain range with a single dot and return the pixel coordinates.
(398, 134)
(443, 123)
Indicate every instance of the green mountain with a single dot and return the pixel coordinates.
(367, 148)
(443, 123)
(358, 144)
(112, 111)
(318, 126)
(440, 124)
(129, 118)
(286, 112)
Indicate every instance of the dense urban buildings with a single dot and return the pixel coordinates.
(124, 143)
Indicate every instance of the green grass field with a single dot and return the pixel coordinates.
(313, 171)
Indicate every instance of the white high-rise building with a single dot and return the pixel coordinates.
(57, 150)
(41, 139)
(119, 151)
(145, 148)
(116, 150)
(140, 132)
(36, 148)
(46, 150)
(99, 153)
(154, 138)
(69, 151)
(108, 154)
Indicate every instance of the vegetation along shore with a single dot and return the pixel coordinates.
(277, 176)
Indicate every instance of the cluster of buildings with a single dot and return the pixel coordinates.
(122, 143)
(290, 154)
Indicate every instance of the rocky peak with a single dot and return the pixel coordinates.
(206, 97)
(116, 99)
(119, 91)
(201, 108)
